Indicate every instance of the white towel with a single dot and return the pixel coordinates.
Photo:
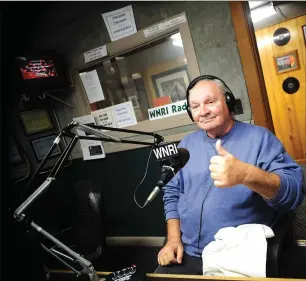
(238, 251)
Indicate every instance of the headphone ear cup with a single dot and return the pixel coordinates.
(230, 101)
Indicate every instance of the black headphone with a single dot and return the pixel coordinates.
(229, 96)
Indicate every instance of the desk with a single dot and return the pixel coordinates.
(179, 277)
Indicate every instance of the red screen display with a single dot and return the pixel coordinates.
(34, 69)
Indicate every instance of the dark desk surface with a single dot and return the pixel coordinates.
(159, 277)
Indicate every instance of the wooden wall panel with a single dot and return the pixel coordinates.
(251, 65)
(288, 111)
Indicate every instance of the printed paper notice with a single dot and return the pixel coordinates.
(174, 21)
(116, 116)
(120, 23)
(95, 54)
(124, 114)
(104, 117)
(91, 149)
(154, 29)
(92, 86)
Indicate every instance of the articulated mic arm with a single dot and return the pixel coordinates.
(21, 211)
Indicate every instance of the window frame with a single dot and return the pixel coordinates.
(130, 43)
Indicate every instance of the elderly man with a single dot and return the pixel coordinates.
(237, 174)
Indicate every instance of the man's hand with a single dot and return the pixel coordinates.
(226, 170)
(172, 252)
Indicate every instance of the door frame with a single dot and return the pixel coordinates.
(250, 60)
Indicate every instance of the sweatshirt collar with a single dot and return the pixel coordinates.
(224, 137)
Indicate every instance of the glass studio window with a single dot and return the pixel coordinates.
(149, 77)
(150, 74)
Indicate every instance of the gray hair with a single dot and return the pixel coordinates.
(220, 85)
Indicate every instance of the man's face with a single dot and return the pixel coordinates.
(208, 107)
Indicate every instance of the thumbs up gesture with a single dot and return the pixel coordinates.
(226, 170)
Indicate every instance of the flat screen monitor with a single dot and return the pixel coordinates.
(39, 71)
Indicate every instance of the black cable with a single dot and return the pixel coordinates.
(144, 176)
(211, 184)
(201, 217)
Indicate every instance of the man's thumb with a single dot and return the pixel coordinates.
(179, 254)
(221, 151)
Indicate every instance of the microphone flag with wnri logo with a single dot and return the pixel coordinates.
(165, 151)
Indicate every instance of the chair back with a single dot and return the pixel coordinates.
(284, 236)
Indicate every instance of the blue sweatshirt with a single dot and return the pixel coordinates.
(203, 209)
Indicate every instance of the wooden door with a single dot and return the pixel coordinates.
(288, 110)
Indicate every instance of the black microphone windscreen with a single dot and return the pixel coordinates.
(184, 156)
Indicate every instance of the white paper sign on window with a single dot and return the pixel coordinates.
(164, 25)
(120, 23)
(95, 54)
(124, 114)
(154, 29)
(116, 116)
(92, 86)
(104, 117)
(91, 149)
(174, 21)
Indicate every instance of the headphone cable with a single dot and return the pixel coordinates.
(200, 228)
(201, 215)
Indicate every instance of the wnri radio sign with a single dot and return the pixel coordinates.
(168, 110)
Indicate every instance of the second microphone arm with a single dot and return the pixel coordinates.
(21, 211)
(95, 130)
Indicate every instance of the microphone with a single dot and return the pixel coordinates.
(170, 166)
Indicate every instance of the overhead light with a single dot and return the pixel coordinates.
(254, 4)
(177, 40)
(262, 12)
(178, 43)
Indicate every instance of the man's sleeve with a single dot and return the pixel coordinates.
(171, 197)
(273, 158)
